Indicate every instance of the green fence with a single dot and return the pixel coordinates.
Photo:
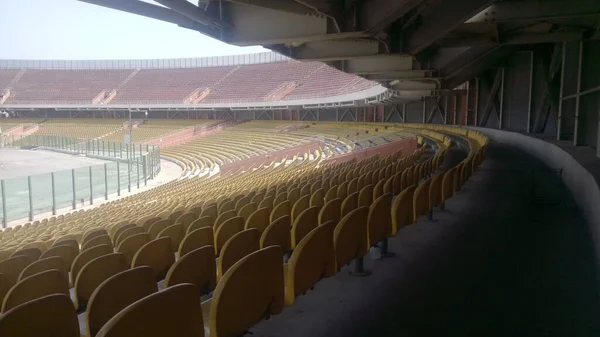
(129, 168)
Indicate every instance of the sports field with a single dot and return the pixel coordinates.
(22, 170)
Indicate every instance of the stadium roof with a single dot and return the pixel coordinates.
(404, 44)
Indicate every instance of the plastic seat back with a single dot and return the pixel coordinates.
(365, 196)
(148, 317)
(331, 211)
(228, 229)
(66, 252)
(223, 217)
(186, 220)
(259, 219)
(201, 222)
(198, 238)
(379, 219)
(44, 264)
(349, 204)
(197, 267)
(247, 209)
(92, 233)
(304, 223)
(116, 293)
(94, 273)
(421, 199)
(158, 226)
(282, 209)
(402, 209)
(238, 246)
(277, 234)
(254, 283)
(299, 207)
(131, 245)
(127, 233)
(35, 286)
(31, 253)
(84, 257)
(312, 260)
(11, 268)
(157, 254)
(317, 198)
(350, 236)
(62, 321)
(175, 233)
(96, 241)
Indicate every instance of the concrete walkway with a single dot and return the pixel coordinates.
(508, 257)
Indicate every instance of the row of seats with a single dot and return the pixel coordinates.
(240, 83)
(322, 220)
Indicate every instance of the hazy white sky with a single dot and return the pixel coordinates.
(69, 29)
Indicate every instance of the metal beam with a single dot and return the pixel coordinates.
(478, 65)
(464, 59)
(375, 15)
(284, 6)
(156, 12)
(538, 10)
(437, 107)
(382, 64)
(490, 103)
(443, 18)
(397, 75)
(515, 39)
(193, 12)
(335, 50)
(264, 26)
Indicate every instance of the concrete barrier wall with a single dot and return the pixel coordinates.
(407, 146)
(580, 182)
(268, 158)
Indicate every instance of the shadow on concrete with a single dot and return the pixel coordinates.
(495, 263)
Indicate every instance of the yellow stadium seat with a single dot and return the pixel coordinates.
(157, 254)
(94, 273)
(116, 293)
(35, 286)
(197, 267)
(198, 238)
(175, 233)
(284, 208)
(350, 239)
(277, 234)
(252, 289)
(84, 257)
(67, 253)
(44, 264)
(96, 241)
(62, 321)
(238, 246)
(259, 220)
(11, 268)
(201, 222)
(184, 315)
(31, 253)
(228, 229)
(131, 245)
(304, 223)
(312, 260)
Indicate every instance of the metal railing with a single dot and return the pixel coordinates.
(127, 167)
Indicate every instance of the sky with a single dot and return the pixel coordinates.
(73, 30)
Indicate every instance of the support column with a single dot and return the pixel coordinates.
(530, 93)
(561, 94)
(501, 113)
(577, 98)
